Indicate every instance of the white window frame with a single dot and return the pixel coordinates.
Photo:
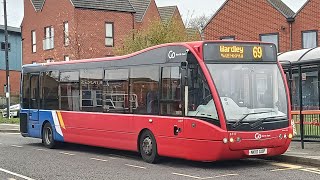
(33, 41)
(48, 41)
(109, 35)
(66, 58)
(304, 46)
(66, 33)
(275, 42)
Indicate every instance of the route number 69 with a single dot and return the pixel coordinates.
(257, 52)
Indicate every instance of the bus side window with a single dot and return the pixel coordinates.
(26, 91)
(144, 84)
(91, 90)
(50, 90)
(116, 91)
(69, 88)
(170, 103)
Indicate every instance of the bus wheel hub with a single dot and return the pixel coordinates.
(147, 145)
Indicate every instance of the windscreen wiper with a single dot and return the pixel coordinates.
(236, 124)
(260, 120)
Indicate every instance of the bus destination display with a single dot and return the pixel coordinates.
(239, 52)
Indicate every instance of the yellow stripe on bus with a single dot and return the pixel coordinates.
(60, 120)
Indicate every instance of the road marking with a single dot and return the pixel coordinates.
(41, 150)
(296, 153)
(197, 177)
(286, 166)
(186, 175)
(16, 146)
(0, 143)
(11, 179)
(225, 175)
(99, 159)
(284, 169)
(118, 156)
(312, 170)
(136, 166)
(65, 153)
(13, 133)
(16, 174)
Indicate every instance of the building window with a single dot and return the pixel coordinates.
(66, 33)
(228, 38)
(109, 41)
(49, 60)
(270, 38)
(309, 39)
(3, 46)
(48, 42)
(66, 58)
(34, 41)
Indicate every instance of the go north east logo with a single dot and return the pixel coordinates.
(232, 52)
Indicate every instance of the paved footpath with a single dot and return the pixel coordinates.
(295, 154)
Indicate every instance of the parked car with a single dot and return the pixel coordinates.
(14, 111)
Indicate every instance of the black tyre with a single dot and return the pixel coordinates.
(47, 136)
(148, 147)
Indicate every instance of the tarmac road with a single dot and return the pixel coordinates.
(26, 158)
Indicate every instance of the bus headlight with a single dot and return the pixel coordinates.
(285, 136)
(225, 140)
(238, 139)
(280, 136)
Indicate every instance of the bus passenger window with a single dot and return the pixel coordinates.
(170, 103)
(116, 92)
(91, 90)
(144, 84)
(69, 88)
(50, 90)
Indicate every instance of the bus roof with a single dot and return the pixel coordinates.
(191, 45)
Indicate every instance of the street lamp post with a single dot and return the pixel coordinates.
(7, 58)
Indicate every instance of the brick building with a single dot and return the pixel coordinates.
(307, 26)
(74, 29)
(146, 13)
(267, 20)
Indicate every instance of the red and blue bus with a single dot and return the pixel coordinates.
(202, 101)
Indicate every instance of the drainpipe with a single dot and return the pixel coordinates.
(291, 21)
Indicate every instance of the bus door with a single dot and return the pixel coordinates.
(34, 97)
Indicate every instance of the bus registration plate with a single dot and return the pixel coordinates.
(253, 152)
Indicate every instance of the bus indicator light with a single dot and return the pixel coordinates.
(231, 140)
(290, 136)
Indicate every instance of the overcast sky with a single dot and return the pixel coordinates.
(187, 8)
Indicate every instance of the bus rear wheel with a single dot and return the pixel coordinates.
(148, 147)
(47, 136)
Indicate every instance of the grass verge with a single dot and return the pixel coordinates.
(9, 121)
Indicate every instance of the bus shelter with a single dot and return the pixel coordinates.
(302, 68)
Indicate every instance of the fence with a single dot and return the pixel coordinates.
(310, 122)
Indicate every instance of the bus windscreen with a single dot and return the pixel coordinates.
(243, 52)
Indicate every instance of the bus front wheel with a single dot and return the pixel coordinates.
(47, 136)
(148, 147)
